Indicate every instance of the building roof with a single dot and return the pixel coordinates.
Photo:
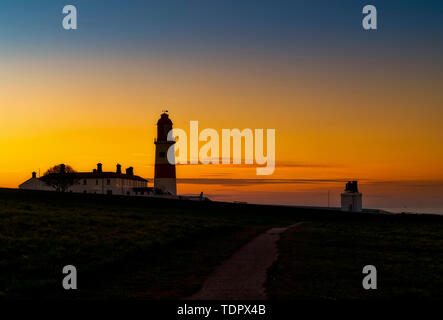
(143, 189)
(97, 175)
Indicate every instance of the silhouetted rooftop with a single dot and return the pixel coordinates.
(97, 175)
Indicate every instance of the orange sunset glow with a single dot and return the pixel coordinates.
(337, 117)
(109, 116)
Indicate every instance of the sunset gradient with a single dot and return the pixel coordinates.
(345, 103)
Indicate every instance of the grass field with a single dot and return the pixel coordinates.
(122, 247)
(138, 248)
(324, 260)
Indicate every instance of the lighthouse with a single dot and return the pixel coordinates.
(351, 199)
(164, 177)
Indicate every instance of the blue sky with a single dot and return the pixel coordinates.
(198, 26)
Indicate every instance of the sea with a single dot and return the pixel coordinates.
(438, 211)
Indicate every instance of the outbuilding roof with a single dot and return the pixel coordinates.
(95, 175)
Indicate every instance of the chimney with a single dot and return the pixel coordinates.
(34, 174)
(99, 168)
(355, 186)
(130, 171)
(119, 168)
(352, 187)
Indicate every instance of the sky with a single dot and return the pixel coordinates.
(346, 103)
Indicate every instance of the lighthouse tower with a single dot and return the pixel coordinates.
(164, 177)
(351, 199)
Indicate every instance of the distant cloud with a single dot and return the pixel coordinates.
(246, 182)
(279, 164)
(220, 174)
(292, 164)
(408, 183)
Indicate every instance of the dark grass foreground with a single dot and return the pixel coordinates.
(139, 248)
(324, 260)
(122, 247)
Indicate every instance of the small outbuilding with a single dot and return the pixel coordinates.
(351, 199)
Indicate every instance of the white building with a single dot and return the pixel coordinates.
(100, 182)
(97, 181)
(35, 184)
(351, 199)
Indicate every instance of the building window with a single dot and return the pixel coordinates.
(108, 182)
(84, 191)
(84, 182)
(109, 192)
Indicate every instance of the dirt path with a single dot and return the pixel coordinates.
(242, 276)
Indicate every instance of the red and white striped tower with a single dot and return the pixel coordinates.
(164, 177)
